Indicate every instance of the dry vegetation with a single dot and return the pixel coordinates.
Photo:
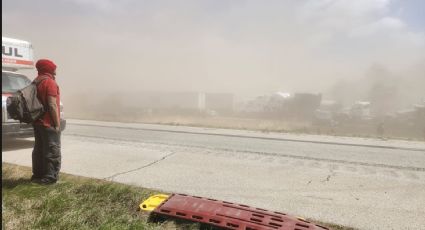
(256, 124)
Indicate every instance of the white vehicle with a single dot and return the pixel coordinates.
(16, 55)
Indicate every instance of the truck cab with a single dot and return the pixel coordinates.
(17, 55)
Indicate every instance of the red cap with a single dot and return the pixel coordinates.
(45, 66)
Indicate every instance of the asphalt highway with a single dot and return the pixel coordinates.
(357, 182)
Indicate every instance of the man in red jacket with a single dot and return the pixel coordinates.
(46, 155)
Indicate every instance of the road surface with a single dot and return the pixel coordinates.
(356, 182)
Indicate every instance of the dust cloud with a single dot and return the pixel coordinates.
(387, 91)
(121, 56)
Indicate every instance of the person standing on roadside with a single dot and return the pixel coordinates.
(46, 155)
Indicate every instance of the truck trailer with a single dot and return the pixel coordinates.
(17, 55)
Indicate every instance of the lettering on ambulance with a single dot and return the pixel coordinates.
(10, 51)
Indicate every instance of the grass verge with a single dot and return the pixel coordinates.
(73, 203)
(78, 203)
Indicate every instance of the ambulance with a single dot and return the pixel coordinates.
(17, 55)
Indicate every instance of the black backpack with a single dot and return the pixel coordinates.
(24, 105)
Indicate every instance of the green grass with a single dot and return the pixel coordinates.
(73, 203)
(79, 203)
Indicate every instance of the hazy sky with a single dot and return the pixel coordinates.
(217, 45)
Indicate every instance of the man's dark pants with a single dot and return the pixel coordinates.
(46, 155)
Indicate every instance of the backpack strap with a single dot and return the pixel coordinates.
(37, 82)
